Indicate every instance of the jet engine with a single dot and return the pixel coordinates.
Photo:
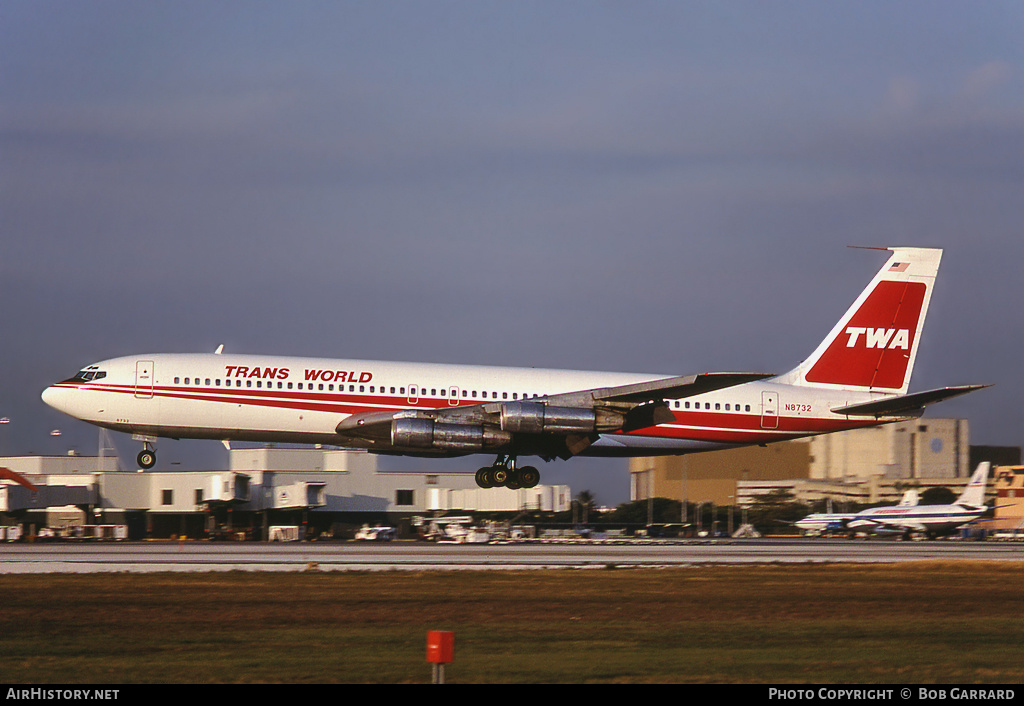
(537, 418)
(421, 433)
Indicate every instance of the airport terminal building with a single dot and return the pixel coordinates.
(863, 466)
(334, 492)
(324, 492)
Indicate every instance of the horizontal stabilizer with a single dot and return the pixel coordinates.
(903, 404)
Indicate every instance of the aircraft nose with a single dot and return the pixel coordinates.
(55, 397)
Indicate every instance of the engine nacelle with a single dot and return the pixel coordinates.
(537, 418)
(426, 434)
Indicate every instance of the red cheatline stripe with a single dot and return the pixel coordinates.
(704, 426)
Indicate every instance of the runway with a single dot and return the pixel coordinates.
(420, 556)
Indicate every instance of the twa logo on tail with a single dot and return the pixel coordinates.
(879, 337)
(875, 343)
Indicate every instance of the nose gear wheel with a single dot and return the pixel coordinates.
(147, 457)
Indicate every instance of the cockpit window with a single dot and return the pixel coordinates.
(87, 376)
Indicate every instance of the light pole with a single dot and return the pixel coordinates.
(746, 488)
(4, 421)
(682, 513)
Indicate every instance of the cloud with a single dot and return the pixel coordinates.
(988, 78)
(668, 188)
(902, 97)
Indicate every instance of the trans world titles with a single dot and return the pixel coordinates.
(244, 371)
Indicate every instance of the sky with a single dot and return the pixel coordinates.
(642, 186)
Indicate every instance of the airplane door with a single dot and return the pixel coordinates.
(769, 410)
(453, 397)
(144, 379)
(414, 394)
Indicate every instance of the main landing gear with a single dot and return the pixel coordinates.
(504, 472)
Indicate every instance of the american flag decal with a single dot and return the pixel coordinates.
(899, 267)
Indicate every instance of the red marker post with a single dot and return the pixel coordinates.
(440, 651)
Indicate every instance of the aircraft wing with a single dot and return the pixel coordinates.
(901, 527)
(885, 525)
(668, 388)
(557, 425)
(905, 404)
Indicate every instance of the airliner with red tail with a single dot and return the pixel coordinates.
(858, 377)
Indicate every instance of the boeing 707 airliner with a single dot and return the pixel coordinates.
(857, 377)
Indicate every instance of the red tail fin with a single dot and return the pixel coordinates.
(875, 343)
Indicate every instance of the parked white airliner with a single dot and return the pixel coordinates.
(832, 521)
(931, 520)
(857, 377)
(825, 521)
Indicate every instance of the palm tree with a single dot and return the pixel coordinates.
(585, 499)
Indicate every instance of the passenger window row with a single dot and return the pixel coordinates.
(414, 390)
(729, 407)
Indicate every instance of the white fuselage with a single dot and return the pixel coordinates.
(822, 521)
(932, 519)
(268, 398)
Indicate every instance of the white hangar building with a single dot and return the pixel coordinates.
(318, 489)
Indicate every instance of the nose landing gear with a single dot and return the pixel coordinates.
(146, 458)
(504, 472)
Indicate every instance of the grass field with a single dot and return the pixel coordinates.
(906, 623)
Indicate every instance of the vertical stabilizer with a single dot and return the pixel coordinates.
(874, 345)
(974, 493)
(909, 499)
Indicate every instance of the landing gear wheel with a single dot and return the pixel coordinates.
(146, 459)
(529, 477)
(485, 478)
(504, 472)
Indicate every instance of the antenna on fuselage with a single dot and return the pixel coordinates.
(220, 349)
